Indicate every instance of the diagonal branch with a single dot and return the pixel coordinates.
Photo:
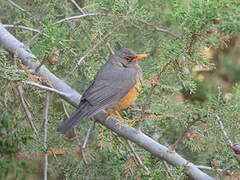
(90, 51)
(26, 109)
(10, 43)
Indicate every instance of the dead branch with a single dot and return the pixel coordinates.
(45, 137)
(87, 134)
(21, 27)
(137, 156)
(77, 6)
(228, 140)
(13, 4)
(27, 111)
(45, 88)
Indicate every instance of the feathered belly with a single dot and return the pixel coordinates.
(127, 100)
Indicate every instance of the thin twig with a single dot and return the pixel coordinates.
(214, 169)
(79, 17)
(18, 7)
(137, 156)
(27, 111)
(169, 171)
(34, 38)
(224, 131)
(82, 146)
(71, 134)
(110, 48)
(87, 134)
(45, 136)
(65, 110)
(152, 26)
(90, 51)
(77, 6)
(21, 27)
(45, 88)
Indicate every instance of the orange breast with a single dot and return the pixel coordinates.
(128, 99)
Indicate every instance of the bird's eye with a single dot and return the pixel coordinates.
(129, 58)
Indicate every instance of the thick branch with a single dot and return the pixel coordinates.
(11, 44)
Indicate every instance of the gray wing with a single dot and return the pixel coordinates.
(102, 93)
(107, 91)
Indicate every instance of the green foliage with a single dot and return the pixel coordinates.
(182, 96)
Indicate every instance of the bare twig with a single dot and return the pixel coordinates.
(18, 7)
(21, 27)
(79, 17)
(45, 136)
(152, 26)
(87, 134)
(34, 38)
(90, 51)
(110, 48)
(77, 6)
(82, 146)
(65, 109)
(169, 171)
(122, 16)
(137, 156)
(214, 169)
(228, 140)
(45, 88)
(27, 111)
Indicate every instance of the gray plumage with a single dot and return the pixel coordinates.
(110, 84)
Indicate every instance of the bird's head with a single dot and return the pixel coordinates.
(128, 56)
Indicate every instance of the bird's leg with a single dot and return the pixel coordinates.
(114, 114)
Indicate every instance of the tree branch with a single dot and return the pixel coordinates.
(90, 51)
(10, 43)
(137, 156)
(121, 16)
(45, 88)
(21, 27)
(45, 137)
(224, 131)
(27, 111)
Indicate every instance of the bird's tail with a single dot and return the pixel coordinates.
(75, 118)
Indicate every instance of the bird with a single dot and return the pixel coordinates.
(115, 87)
